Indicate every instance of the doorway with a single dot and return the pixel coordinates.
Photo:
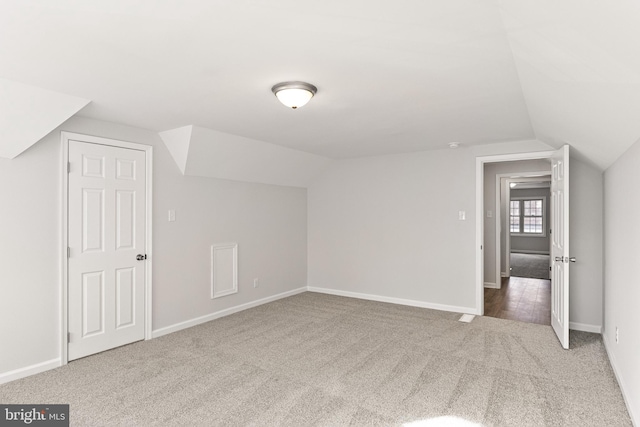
(106, 283)
(526, 222)
(487, 253)
(524, 293)
(522, 299)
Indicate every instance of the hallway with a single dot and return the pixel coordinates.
(523, 299)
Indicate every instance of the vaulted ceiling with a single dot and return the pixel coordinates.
(392, 76)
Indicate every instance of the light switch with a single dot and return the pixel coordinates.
(172, 215)
(489, 214)
(462, 215)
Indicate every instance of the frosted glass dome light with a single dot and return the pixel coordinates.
(294, 94)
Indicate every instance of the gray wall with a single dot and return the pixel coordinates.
(388, 227)
(586, 234)
(269, 223)
(622, 276)
(532, 244)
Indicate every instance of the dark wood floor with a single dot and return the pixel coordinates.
(526, 300)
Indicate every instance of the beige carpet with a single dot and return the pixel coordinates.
(315, 359)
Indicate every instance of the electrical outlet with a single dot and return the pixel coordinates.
(617, 335)
(256, 282)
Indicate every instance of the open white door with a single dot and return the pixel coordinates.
(560, 244)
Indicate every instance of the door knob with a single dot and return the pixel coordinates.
(572, 259)
(141, 257)
(559, 258)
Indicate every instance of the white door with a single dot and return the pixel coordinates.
(560, 244)
(106, 215)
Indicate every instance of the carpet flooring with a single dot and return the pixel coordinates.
(533, 266)
(315, 359)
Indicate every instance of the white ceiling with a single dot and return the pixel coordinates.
(199, 151)
(47, 109)
(391, 76)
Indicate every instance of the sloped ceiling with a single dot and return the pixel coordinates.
(204, 152)
(392, 76)
(579, 67)
(28, 113)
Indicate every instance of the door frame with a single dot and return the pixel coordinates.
(64, 227)
(510, 177)
(480, 162)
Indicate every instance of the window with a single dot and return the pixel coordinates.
(527, 216)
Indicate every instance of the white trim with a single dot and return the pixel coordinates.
(507, 238)
(497, 158)
(575, 326)
(392, 300)
(148, 321)
(498, 228)
(635, 418)
(519, 177)
(27, 371)
(222, 313)
(148, 150)
(64, 239)
(479, 236)
(480, 161)
(491, 285)
(215, 248)
(531, 252)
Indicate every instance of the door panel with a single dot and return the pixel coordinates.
(125, 297)
(125, 220)
(92, 219)
(92, 303)
(560, 244)
(106, 231)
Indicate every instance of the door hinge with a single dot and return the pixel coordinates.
(68, 167)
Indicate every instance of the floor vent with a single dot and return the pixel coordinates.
(467, 318)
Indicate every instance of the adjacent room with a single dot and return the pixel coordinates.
(285, 213)
(523, 214)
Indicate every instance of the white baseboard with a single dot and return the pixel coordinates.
(16, 374)
(503, 274)
(491, 285)
(392, 300)
(635, 418)
(585, 327)
(218, 314)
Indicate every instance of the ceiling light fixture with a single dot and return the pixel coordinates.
(454, 144)
(294, 94)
